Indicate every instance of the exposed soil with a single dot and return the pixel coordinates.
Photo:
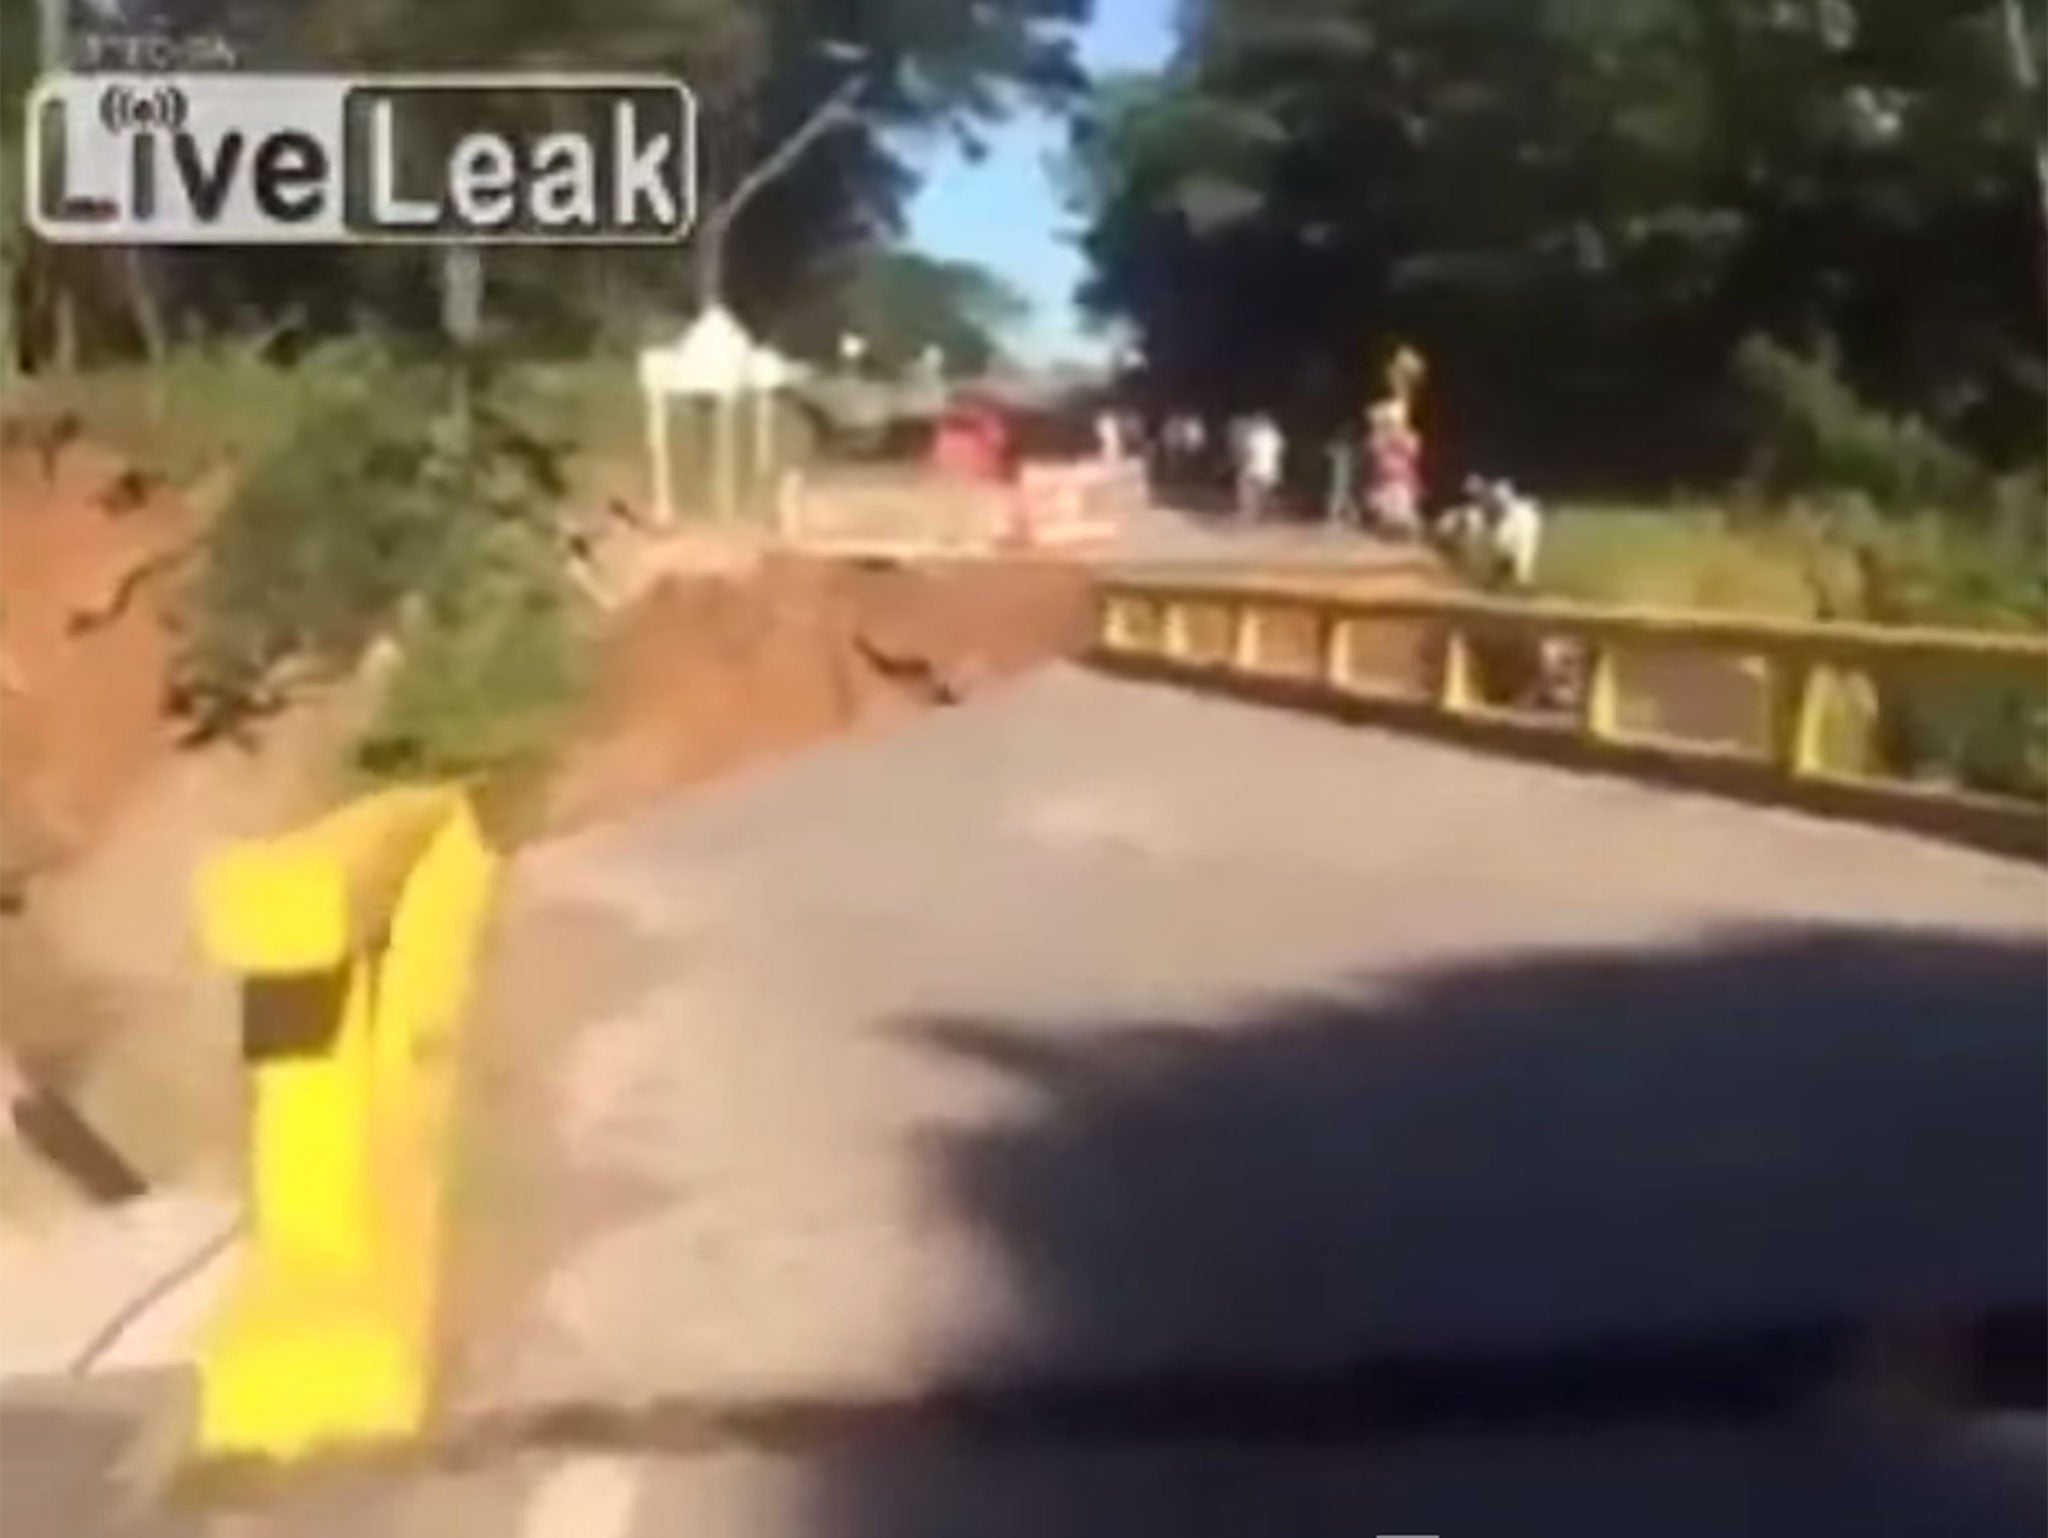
(104, 1000)
(723, 657)
(708, 672)
(86, 546)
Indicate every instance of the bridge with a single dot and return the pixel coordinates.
(1197, 1083)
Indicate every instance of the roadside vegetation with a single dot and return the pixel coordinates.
(405, 500)
(1786, 256)
(1848, 513)
(385, 501)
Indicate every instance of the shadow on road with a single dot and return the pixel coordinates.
(1584, 1244)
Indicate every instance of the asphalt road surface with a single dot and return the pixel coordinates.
(1105, 1110)
(1103, 1033)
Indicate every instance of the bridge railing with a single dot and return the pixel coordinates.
(1792, 710)
(354, 940)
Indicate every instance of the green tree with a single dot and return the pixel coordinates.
(410, 499)
(759, 67)
(1578, 208)
(902, 303)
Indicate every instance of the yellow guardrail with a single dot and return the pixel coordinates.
(355, 941)
(1817, 677)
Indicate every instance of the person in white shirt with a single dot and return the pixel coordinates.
(1464, 529)
(1265, 452)
(1109, 438)
(1517, 531)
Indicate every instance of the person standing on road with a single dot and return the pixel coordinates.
(1517, 532)
(1395, 452)
(1109, 437)
(1394, 449)
(1185, 443)
(1263, 452)
(1341, 505)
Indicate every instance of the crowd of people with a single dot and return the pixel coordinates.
(1374, 480)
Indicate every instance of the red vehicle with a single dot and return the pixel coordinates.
(975, 438)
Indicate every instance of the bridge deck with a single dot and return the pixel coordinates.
(1099, 1029)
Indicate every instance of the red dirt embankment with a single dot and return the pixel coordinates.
(103, 819)
(706, 671)
(83, 672)
(709, 672)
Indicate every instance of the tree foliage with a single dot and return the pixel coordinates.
(405, 498)
(902, 303)
(759, 68)
(1578, 209)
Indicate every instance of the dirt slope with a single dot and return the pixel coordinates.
(708, 672)
(81, 720)
(104, 820)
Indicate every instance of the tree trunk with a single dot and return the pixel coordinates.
(12, 293)
(53, 48)
(2027, 74)
(63, 324)
(144, 307)
(460, 271)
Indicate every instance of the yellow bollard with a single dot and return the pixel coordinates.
(306, 1350)
(357, 938)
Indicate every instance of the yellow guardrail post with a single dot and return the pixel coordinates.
(355, 939)
(1117, 629)
(1176, 637)
(1333, 650)
(1800, 693)
(1600, 715)
(1457, 689)
(1245, 637)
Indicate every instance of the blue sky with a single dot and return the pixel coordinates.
(1004, 210)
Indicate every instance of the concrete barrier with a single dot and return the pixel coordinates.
(355, 940)
(1054, 506)
(892, 511)
(1070, 505)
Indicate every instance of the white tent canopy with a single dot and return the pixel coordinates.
(713, 358)
(767, 369)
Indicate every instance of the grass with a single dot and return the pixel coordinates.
(207, 404)
(595, 404)
(361, 507)
(1685, 556)
(179, 418)
(374, 493)
(1990, 732)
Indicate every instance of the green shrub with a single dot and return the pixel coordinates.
(485, 666)
(1903, 528)
(1813, 433)
(323, 535)
(183, 416)
(408, 499)
(1840, 558)
(1989, 732)
(1676, 557)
